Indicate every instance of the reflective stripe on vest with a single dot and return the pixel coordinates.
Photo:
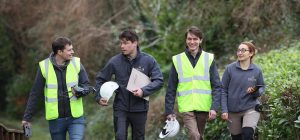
(51, 88)
(193, 89)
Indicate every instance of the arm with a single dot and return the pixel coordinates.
(171, 91)
(216, 90)
(83, 77)
(216, 86)
(37, 92)
(83, 83)
(224, 96)
(156, 80)
(260, 86)
(103, 76)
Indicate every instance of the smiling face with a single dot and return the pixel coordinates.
(66, 53)
(193, 42)
(244, 53)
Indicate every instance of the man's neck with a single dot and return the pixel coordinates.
(59, 61)
(132, 55)
(194, 52)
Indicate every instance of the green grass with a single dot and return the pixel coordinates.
(40, 129)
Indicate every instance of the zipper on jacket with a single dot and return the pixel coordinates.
(239, 99)
(64, 101)
(63, 97)
(129, 98)
(129, 101)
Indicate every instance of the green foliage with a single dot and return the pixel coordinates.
(216, 130)
(40, 130)
(16, 89)
(100, 124)
(281, 70)
(161, 24)
(224, 24)
(6, 65)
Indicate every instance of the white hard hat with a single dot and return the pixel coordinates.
(170, 129)
(107, 89)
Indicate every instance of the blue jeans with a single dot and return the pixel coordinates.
(74, 126)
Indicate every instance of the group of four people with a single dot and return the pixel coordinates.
(193, 78)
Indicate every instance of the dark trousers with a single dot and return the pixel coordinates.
(137, 120)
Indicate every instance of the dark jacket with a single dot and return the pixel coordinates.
(37, 91)
(173, 82)
(236, 82)
(120, 66)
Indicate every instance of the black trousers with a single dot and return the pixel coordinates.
(137, 121)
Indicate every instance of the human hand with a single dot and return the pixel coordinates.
(171, 117)
(224, 116)
(78, 91)
(26, 123)
(251, 90)
(27, 128)
(137, 92)
(103, 102)
(212, 114)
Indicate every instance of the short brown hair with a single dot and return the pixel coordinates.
(195, 31)
(129, 35)
(60, 43)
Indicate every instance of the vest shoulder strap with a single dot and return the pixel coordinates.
(211, 56)
(76, 63)
(44, 66)
(174, 58)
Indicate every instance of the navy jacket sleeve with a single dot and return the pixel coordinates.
(83, 77)
(103, 76)
(83, 80)
(171, 91)
(36, 94)
(216, 86)
(156, 80)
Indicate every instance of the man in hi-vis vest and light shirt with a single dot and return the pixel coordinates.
(55, 79)
(195, 80)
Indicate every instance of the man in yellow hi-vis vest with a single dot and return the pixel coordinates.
(195, 80)
(54, 80)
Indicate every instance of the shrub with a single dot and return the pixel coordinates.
(281, 71)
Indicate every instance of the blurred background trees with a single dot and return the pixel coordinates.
(27, 29)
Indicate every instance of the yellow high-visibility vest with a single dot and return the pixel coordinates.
(194, 87)
(51, 88)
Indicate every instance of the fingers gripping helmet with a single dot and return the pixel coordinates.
(170, 129)
(107, 89)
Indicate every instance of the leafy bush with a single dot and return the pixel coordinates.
(100, 124)
(161, 25)
(16, 89)
(281, 116)
(6, 67)
(281, 71)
